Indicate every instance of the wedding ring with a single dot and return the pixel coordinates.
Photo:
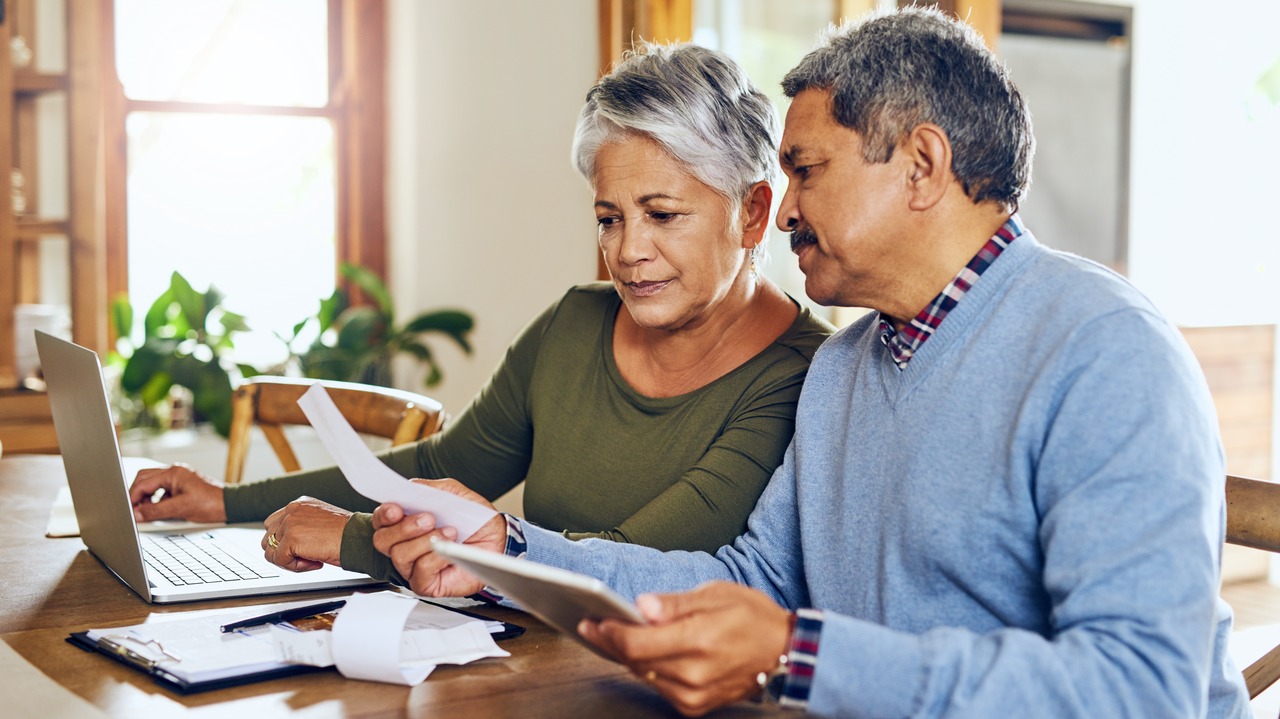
(272, 541)
(651, 676)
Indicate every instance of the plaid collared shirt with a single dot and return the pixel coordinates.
(902, 345)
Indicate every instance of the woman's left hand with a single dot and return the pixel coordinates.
(306, 534)
(406, 540)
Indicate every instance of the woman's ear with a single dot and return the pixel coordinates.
(755, 214)
(928, 152)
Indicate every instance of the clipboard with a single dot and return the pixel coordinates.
(138, 649)
(181, 685)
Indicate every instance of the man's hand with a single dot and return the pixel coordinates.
(305, 534)
(407, 541)
(703, 649)
(187, 495)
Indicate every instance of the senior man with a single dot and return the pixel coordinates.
(1004, 496)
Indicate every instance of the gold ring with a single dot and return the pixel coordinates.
(272, 541)
(651, 676)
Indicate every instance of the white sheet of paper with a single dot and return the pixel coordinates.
(375, 480)
(369, 641)
(431, 636)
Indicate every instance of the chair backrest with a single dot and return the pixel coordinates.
(272, 402)
(1253, 520)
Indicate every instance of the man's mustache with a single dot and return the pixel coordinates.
(801, 237)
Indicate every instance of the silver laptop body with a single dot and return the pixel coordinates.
(100, 495)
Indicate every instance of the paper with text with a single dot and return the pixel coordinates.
(375, 480)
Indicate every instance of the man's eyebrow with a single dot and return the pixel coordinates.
(791, 155)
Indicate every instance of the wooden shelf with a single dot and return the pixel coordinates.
(58, 149)
(33, 228)
(26, 423)
(35, 83)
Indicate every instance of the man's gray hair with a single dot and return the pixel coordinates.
(894, 71)
(696, 103)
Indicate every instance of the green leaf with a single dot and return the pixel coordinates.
(232, 322)
(443, 320)
(190, 302)
(361, 328)
(331, 309)
(455, 324)
(122, 317)
(418, 350)
(248, 370)
(433, 375)
(156, 389)
(211, 395)
(186, 370)
(321, 362)
(158, 315)
(212, 300)
(423, 354)
(366, 280)
(148, 360)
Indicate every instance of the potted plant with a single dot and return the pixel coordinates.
(357, 343)
(186, 339)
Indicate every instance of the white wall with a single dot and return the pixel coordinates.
(485, 211)
(1203, 242)
(487, 214)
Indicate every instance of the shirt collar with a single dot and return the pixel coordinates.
(903, 345)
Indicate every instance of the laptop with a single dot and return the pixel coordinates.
(179, 566)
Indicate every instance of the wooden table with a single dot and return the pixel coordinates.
(50, 587)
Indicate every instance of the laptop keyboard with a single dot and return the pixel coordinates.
(185, 559)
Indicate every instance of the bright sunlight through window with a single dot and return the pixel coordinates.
(240, 198)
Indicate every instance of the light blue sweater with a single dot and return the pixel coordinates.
(1026, 521)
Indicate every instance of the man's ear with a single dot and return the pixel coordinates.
(755, 214)
(929, 152)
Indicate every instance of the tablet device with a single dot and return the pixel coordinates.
(556, 596)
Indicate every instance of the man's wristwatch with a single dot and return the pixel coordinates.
(772, 682)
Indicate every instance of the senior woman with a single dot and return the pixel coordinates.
(651, 410)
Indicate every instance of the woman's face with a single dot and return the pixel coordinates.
(666, 237)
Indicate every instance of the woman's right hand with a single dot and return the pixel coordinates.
(406, 540)
(187, 495)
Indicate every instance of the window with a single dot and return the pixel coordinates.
(253, 155)
(768, 39)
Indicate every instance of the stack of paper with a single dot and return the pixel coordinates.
(384, 636)
(387, 637)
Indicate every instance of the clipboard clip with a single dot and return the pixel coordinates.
(117, 646)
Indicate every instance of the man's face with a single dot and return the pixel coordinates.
(847, 215)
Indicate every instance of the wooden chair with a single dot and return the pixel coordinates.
(272, 402)
(1253, 520)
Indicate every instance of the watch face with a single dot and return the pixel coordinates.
(776, 683)
(773, 688)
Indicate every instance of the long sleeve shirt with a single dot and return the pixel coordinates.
(600, 459)
(1025, 520)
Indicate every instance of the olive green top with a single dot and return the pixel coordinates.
(601, 459)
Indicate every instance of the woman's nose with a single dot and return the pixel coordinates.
(635, 246)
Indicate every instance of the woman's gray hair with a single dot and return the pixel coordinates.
(893, 71)
(696, 103)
